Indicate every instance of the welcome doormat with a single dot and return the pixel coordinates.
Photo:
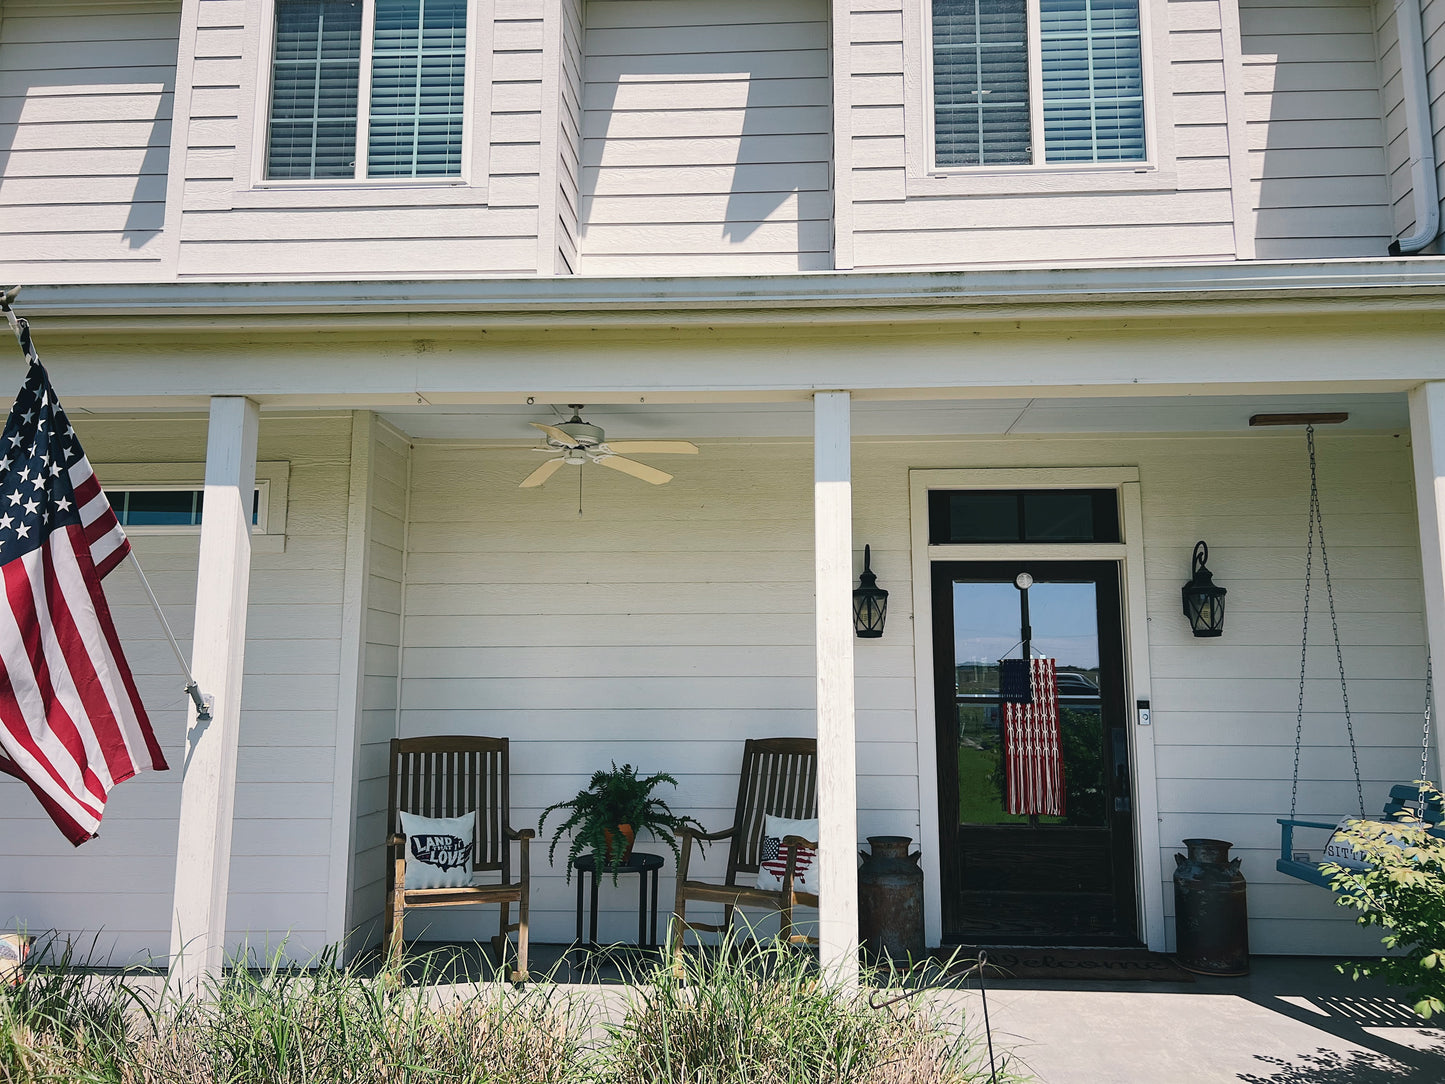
(1068, 965)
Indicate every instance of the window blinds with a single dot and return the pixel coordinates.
(980, 82)
(314, 89)
(418, 78)
(1092, 100)
(1093, 90)
(418, 85)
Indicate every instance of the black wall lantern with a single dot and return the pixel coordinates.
(870, 602)
(1203, 599)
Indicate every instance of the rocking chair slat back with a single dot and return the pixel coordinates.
(779, 778)
(450, 776)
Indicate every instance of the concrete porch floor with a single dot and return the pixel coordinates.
(1292, 1020)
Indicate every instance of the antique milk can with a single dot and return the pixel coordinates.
(1210, 915)
(890, 899)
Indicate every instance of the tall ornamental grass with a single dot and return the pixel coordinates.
(762, 1013)
(748, 1014)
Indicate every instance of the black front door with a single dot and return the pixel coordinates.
(1021, 878)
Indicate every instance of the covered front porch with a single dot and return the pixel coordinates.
(404, 584)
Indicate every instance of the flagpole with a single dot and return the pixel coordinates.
(202, 702)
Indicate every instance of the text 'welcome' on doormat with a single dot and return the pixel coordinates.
(1068, 965)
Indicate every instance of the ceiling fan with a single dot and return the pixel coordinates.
(580, 442)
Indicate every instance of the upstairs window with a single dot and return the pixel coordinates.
(406, 59)
(1030, 82)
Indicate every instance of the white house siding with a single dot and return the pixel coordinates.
(234, 228)
(707, 137)
(569, 137)
(1188, 218)
(117, 888)
(381, 652)
(664, 625)
(660, 628)
(85, 129)
(1317, 139)
(1224, 710)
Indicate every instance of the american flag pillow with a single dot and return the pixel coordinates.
(773, 859)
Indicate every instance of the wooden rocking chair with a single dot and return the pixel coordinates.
(779, 777)
(450, 776)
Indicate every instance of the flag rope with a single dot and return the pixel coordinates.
(203, 703)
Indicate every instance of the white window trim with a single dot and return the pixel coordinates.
(268, 533)
(255, 190)
(1156, 173)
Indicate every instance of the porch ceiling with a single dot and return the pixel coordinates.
(930, 418)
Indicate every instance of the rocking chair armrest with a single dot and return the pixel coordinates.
(799, 841)
(396, 839)
(689, 834)
(523, 834)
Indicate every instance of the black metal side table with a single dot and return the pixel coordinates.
(645, 866)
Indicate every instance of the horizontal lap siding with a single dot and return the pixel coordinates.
(1224, 710)
(661, 628)
(320, 232)
(569, 139)
(118, 887)
(706, 137)
(1316, 129)
(895, 230)
(381, 646)
(667, 624)
(85, 133)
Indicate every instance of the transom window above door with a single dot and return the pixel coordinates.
(1037, 82)
(367, 89)
(1002, 516)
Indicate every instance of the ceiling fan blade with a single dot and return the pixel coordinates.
(558, 436)
(655, 447)
(542, 473)
(634, 468)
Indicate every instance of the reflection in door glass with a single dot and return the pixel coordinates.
(987, 619)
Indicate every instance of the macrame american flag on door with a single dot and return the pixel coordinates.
(1032, 752)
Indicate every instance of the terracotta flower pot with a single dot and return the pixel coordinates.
(611, 836)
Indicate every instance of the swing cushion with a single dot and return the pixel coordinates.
(1339, 851)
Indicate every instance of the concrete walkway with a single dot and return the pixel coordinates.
(1293, 1020)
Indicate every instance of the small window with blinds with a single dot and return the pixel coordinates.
(1037, 82)
(410, 71)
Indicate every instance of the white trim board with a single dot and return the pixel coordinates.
(1148, 866)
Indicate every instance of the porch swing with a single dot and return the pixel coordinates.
(1405, 798)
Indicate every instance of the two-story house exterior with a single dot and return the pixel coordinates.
(991, 286)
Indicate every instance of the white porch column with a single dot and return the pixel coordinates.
(208, 785)
(1427, 439)
(837, 770)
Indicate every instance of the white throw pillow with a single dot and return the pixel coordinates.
(438, 850)
(773, 858)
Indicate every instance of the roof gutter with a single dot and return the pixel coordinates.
(1420, 129)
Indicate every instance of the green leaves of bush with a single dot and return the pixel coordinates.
(1403, 893)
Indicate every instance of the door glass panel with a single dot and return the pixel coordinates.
(987, 619)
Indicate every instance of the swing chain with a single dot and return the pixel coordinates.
(1317, 519)
(1425, 736)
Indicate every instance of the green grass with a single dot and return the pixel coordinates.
(749, 1013)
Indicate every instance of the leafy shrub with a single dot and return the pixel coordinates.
(1403, 892)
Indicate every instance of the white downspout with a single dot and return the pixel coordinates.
(1420, 129)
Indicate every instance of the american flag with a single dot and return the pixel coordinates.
(1032, 747)
(72, 724)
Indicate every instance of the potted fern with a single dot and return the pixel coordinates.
(610, 812)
